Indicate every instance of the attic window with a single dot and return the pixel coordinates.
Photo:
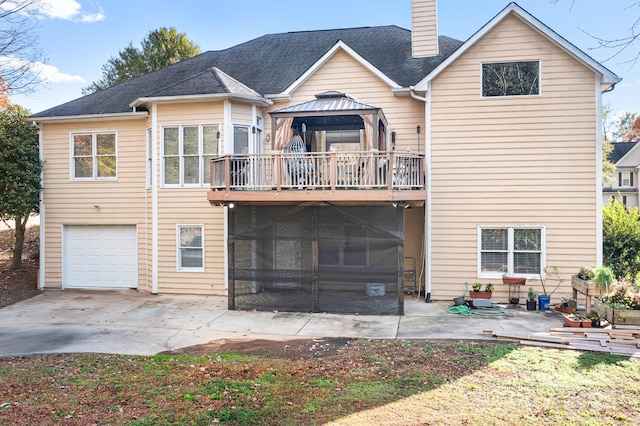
(511, 79)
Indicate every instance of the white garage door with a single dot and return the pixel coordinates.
(100, 257)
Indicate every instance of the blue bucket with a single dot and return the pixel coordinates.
(543, 302)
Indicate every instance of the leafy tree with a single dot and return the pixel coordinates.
(633, 135)
(608, 168)
(621, 239)
(161, 48)
(20, 177)
(625, 125)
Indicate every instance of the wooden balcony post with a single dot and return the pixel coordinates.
(390, 171)
(333, 170)
(211, 165)
(278, 172)
(227, 172)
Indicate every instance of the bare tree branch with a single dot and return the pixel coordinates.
(19, 52)
(619, 45)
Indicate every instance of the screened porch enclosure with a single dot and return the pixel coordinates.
(336, 259)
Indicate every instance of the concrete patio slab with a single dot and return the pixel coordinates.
(131, 322)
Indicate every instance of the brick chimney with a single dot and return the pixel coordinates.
(424, 31)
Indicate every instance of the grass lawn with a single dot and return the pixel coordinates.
(367, 383)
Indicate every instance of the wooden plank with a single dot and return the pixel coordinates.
(579, 330)
(627, 327)
(547, 338)
(544, 344)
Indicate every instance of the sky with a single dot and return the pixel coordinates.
(79, 36)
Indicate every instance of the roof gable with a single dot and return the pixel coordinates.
(340, 45)
(631, 158)
(620, 149)
(609, 79)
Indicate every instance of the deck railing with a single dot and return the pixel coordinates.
(318, 170)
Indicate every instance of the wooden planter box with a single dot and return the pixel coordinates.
(588, 288)
(480, 294)
(616, 316)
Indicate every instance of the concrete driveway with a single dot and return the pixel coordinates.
(128, 322)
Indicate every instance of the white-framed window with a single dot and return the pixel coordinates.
(240, 139)
(94, 155)
(190, 253)
(518, 78)
(511, 250)
(625, 179)
(186, 153)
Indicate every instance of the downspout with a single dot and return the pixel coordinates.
(226, 137)
(41, 208)
(427, 162)
(599, 237)
(154, 199)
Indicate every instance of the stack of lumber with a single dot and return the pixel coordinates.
(618, 341)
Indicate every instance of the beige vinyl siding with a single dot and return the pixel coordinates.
(189, 206)
(122, 202)
(424, 28)
(241, 113)
(512, 160)
(344, 74)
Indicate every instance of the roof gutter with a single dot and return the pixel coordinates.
(279, 97)
(412, 92)
(199, 98)
(90, 117)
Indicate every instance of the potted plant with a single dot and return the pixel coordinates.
(478, 293)
(567, 305)
(576, 320)
(531, 299)
(548, 273)
(595, 319)
(603, 277)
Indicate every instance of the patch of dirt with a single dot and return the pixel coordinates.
(22, 284)
(289, 349)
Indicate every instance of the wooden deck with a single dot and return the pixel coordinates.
(326, 177)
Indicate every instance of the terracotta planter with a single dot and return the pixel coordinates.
(565, 309)
(513, 280)
(578, 324)
(480, 294)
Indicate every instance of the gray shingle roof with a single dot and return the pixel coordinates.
(620, 149)
(266, 65)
